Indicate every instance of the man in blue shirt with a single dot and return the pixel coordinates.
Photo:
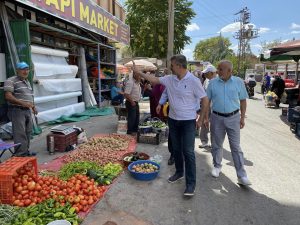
(185, 92)
(117, 95)
(227, 95)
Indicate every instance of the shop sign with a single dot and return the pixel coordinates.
(84, 13)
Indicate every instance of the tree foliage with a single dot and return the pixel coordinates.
(213, 49)
(148, 21)
(266, 45)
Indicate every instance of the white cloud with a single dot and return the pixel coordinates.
(192, 27)
(256, 46)
(264, 30)
(233, 27)
(234, 47)
(188, 53)
(295, 32)
(294, 26)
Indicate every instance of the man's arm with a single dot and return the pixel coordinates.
(153, 79)
(163, 99)
(243, 107)
(12, 99)
(203, 112)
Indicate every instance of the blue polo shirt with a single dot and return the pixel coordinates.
(184, 96)
(114, 91)
(225, 96)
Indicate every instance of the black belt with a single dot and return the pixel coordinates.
(227, 114)
(19, 107)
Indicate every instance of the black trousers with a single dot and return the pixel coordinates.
(133, 117)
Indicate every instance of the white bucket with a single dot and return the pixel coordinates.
(59, 222)
(122, 127)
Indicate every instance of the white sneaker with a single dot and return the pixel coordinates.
(244, 181)
(216, 172)
(204, 145)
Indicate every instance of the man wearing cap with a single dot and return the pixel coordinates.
(209, 73)
(19, 95)
(227, 95)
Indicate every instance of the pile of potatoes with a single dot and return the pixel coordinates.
(144, 168)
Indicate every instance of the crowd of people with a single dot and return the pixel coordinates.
(210, 101)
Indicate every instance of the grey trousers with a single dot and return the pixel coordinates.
(220, 126)
(21, 127)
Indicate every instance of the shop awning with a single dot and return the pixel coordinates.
(56, 32)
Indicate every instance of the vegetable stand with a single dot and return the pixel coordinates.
(65, 189)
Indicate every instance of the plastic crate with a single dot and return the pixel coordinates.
(297, 129)
(154, 139)
(62, 141)
(293, 115)
(7, 170)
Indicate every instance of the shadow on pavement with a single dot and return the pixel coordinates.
(217, 201)
(227, 156)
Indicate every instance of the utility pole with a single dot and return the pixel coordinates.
(244, 35)
(170, 32)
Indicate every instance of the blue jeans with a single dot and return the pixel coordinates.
(182, 133)
(119, 98)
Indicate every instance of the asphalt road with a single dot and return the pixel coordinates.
(272, 156)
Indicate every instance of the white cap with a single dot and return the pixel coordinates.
(209, 68)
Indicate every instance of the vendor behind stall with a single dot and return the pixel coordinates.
(19, 95)
(117, 94)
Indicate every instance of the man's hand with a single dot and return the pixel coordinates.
(242, 122)
(206, 122)
(198, 123)
(35, 112)
(158, 108)
(133, 103)
(27, 105)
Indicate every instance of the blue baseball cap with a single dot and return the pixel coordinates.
(22, 65)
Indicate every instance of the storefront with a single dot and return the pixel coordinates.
(64, 41)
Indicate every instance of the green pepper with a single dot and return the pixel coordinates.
(71, 210)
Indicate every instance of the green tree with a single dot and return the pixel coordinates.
(213, 49)
(148, 21)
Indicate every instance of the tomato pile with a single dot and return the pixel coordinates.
(80, 191)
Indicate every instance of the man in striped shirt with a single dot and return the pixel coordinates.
(19, 96)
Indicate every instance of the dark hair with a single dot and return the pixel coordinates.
(180, 60)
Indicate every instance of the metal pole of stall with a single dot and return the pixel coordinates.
(99, 76)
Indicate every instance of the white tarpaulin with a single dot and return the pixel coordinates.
(48, 51)
(56, 90)
(50, 98)
(56, 71)
(41, 107)
(53, 114)
(54, 86)
(51, 63)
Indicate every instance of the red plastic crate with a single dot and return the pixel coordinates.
(62, 141)
(7, 170)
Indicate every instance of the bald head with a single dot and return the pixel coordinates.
(225, 68)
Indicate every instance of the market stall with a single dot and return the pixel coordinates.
(65, 188)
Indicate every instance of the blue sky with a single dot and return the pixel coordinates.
(275, 19)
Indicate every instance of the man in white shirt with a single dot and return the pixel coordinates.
(185, 92)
